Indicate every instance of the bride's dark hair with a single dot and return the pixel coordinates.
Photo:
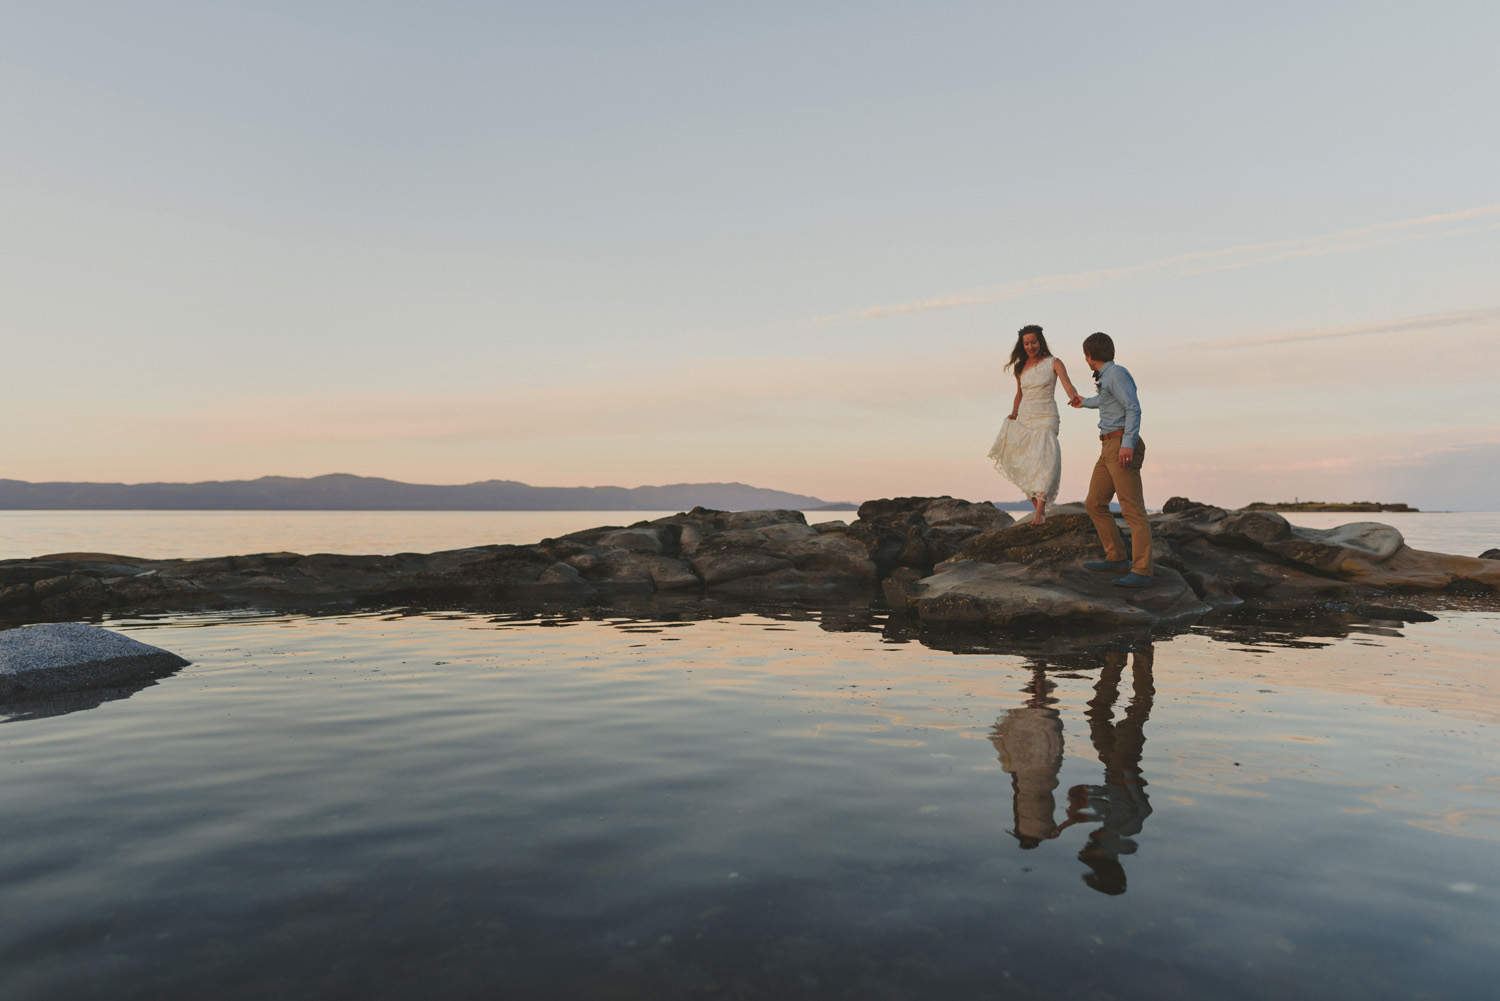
(1018, 353)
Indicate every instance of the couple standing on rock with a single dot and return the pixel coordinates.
(1026, 449)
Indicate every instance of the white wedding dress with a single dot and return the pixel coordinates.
(1026, 449)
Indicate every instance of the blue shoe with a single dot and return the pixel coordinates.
(1132, 580)
(1107, 566)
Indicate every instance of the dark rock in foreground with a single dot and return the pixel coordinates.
(768, 553)
(940, 560)
(1206, 558)
(42, 660)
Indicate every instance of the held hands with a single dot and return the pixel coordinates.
(1075, 400)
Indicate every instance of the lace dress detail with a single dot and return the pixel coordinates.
(1025, 450)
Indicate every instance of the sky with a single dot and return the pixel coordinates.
(785, 244)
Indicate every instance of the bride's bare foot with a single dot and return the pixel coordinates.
(1039, 518)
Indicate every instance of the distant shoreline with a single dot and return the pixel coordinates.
(346, 492)
(1344, 506)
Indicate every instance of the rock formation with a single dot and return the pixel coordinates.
(42, 660)
(1206, 558)
(941, 560)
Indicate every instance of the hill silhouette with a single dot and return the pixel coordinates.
(346, 492)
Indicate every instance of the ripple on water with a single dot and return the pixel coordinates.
(382, 804)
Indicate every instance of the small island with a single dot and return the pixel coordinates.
(1299, 505)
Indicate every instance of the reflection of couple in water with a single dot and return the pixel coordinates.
(1030, 742)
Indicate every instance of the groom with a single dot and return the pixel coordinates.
(1118, 470)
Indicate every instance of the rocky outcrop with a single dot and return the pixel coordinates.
(942, 560)
(1176, 505)
(41, 660)
(919, 532)
(1206, 558)
(771, 552)
(964, 592)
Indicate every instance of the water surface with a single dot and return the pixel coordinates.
(458, 805)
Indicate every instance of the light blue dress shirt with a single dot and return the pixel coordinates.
(1119, 408)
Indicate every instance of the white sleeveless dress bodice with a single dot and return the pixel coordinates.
(1026, 450)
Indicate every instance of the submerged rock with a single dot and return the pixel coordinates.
(69, 656)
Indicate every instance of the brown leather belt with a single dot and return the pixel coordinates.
(1112, 434)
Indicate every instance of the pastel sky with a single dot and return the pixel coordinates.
(787, 244)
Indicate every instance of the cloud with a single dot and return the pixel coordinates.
(1431, 322)
(1431, 227)
(732, 402)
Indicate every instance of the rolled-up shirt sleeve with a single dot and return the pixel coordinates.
(1122, 387)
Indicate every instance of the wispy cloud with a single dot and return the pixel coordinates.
(705, 399)
(1432, 322)
(1432, 227)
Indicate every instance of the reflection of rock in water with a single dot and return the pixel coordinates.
(1030, 742)
(1120, 803)
(62, 703)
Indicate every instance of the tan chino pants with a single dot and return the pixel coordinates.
(1108, 481)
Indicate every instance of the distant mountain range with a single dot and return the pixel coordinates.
(343, 492)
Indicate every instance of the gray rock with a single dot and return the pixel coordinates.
(615, 568)
(721, 564)
(1012, 594)
(920, 532)
(931, 552)
(832, 554)
(753, 538)
(951, 511)
(561, 578)
(672, 575)
(733, 520)
(1490, 554)
(1347, 550)
(901, 587)
(639, 539)
(69, 656)
(1176, 505)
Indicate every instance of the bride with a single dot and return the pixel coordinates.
(1026, 449)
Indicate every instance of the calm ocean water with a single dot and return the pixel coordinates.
(402, 804)
(461, 806)
(168, 534)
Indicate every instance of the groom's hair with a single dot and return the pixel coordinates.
(1099, 347)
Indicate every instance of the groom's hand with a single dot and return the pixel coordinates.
(1076, 401)
(1127, 455)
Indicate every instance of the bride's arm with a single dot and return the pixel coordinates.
(1015, 407)
(1062, 373)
